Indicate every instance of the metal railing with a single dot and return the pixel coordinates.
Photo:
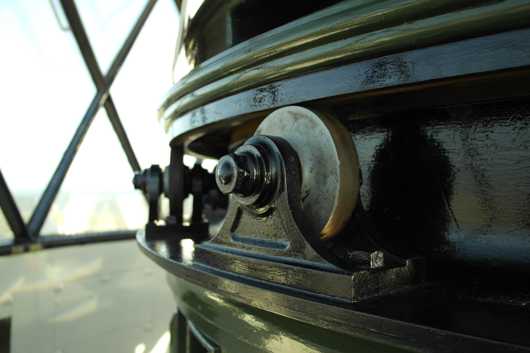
(30, 233)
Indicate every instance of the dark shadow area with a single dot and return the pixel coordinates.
(5, 335)
(411, 183)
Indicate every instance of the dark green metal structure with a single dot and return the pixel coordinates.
(435, 97)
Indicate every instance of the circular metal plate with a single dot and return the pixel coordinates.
(329, 165)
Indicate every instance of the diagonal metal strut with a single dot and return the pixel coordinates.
(103, 84)
(11, 212)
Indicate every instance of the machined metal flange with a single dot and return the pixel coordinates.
(328, 164)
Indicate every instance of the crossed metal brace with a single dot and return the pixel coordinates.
(27, 233)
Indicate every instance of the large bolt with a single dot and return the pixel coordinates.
(238, 174)
(250, 173)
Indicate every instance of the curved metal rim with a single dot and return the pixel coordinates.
(299, 306)
(468, 22)
(346, 18)
(483, 55)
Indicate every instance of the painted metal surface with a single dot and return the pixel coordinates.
(444, 177)
(11, 212)
(451, 183)
(437, 66)
(213, 26)
(247, 329)
(411, 33)
(365, 322)
(446, 183)
(347, 17)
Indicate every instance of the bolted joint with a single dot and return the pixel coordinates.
(238, 174)
(140, 180)
(150, 181)
(251, 173)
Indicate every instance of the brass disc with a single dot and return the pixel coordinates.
(328, 161)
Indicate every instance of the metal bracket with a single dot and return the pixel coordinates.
(176, 182)
(273, 244)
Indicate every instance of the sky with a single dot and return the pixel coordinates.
(45, 89)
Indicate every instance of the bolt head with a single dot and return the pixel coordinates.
(226, 174)
(139, 180)
(249, 173)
